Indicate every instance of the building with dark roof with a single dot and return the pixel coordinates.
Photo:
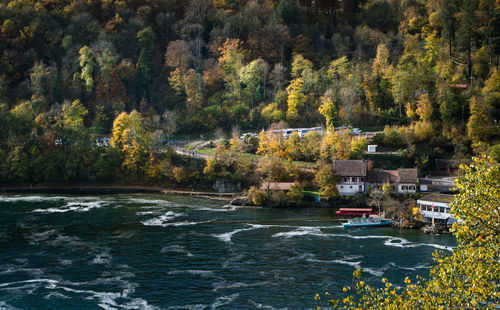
(401, 181)
(407, 180)
(351, 176)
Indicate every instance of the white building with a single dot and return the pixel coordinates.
(435, 208)
(351, 175)
(302, 132)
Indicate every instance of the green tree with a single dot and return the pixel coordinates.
(295, 194)
(231, 62)
(449, 22)
(74, 115)
(87, 64)
(479, 128)
(253, 76)
(144, 77)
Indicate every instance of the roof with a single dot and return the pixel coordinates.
(424, 181)
(435, 197)
(382, 176)
(351, 168)
(283, 186)
(407, 175)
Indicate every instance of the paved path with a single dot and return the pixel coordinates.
(190, 153)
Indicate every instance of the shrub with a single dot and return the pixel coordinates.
(256, 196)
(295, 194)
(495, 152)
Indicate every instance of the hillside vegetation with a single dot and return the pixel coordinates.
(141, 71)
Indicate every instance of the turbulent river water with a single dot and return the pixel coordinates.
(168, 252)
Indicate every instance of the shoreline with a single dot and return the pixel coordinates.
(115, 189)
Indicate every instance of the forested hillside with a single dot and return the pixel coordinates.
(70, 69)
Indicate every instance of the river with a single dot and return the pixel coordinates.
(146, 251)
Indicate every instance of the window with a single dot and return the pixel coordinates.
(350, 186)
(412, 187)
(362, 179)
(441, 209)
(341, 186)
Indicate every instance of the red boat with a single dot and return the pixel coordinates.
(355, 212)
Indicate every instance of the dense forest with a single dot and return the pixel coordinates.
(75, 71)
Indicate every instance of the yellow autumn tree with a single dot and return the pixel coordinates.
(132, 141)
(296, 99)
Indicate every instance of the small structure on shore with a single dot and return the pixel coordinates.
(435, 209)
(225, 186)
(372, 148)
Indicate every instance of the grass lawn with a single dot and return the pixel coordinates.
(311, 193)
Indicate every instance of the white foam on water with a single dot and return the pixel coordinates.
(138, 303)
(188, 307)
(267, 307)
(203, 273)
(55, 295)
(417, 266)
(300, 231)
(355, 264)
(43, 235)
(438, 246)
(103, 258)
(73, 206)
(224, 300)
(155, 202)
(146, 213)
(9, 269)
(390, 240)
(66, 262)
(124, 234)
(67, 241)
(49, 282)
(225, 208)
(30, 198)
(403, 243)
(378, 272)
(177, 249)
(226, 237)
(300, 257)
(184, 223)
(5, 306)
(105, 300)
(162, 219)
(225, 285)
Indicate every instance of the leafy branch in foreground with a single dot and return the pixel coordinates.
(467, 279)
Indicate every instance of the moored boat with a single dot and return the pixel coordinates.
(367, 222)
